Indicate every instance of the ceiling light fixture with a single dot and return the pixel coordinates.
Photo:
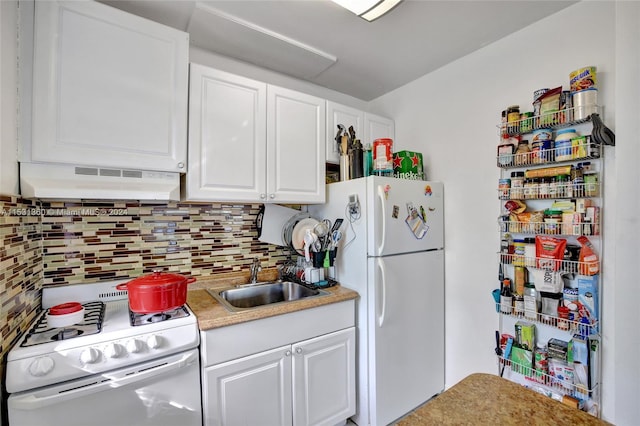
(368, 9)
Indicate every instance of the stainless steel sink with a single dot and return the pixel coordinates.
(263, 294)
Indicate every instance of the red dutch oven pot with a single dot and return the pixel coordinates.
(157, 292)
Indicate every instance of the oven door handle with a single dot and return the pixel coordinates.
(31, 401)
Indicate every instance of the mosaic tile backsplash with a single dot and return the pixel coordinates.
(56, 243)
(20, 269)
(89, 242)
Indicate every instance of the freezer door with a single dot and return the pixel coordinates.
(404, 215)
(406, 333)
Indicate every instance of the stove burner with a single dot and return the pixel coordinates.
(158, 317)
(142, 319)
(40, 332)
(67, 333)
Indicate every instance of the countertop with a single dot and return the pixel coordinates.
(485, 399)
(211, 314)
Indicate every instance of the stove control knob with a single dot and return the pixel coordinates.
(90, 356)
(134, 346)
(114, 350)
(41, 366)
(154, 341)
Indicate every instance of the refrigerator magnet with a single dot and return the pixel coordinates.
(417, 225)
(386, 191)
(428, 191)
(395, 211)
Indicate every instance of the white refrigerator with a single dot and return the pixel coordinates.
(392, 254)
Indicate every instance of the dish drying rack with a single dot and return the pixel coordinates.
(290, 272)
(287, 230)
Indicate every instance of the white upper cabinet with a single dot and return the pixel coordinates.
(347, 116)
(376, 127)
(295, 147)
(109, 88)
(253, 142)
(227, 137)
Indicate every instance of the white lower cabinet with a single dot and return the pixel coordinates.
(254, 390)
(307, 383)
(249, 377)
(324, 379)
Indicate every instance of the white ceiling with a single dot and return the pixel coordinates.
(318, 41)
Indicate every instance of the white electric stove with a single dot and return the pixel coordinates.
(146, 364)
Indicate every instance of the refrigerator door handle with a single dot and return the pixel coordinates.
(382, 197)
(383, 296)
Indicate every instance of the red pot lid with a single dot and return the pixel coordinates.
(65, 308)
(158, 278)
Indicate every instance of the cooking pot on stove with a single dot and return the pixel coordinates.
(65, 315)
(157, 292)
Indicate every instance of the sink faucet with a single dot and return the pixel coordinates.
(255, 268)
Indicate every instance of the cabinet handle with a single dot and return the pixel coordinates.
(298, 350)
(287, 353)
(272, 196)
(263, 196)
(181, 165)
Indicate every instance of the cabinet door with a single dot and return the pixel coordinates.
(109, 88)
(255, 390)
(376, 127)
(347, 116)
(324, 387)
(295, 146)
(227, 137)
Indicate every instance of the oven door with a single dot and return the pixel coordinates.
(165, 391)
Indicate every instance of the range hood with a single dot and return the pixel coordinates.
(68, 182)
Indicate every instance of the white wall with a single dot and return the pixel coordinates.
(623, 306)
(8, 97)
(450, 115)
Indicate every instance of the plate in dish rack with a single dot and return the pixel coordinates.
(297, 237)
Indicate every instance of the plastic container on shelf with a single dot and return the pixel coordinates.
(542, 135)
(563, 146)
(585, 103)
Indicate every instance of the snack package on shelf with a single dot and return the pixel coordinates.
(589, 262)
(547, 281)
(525, 335)
(522, 361)
(550, 252)
(579, 355)
(589, 303)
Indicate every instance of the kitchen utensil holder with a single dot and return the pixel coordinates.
(344, 167)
